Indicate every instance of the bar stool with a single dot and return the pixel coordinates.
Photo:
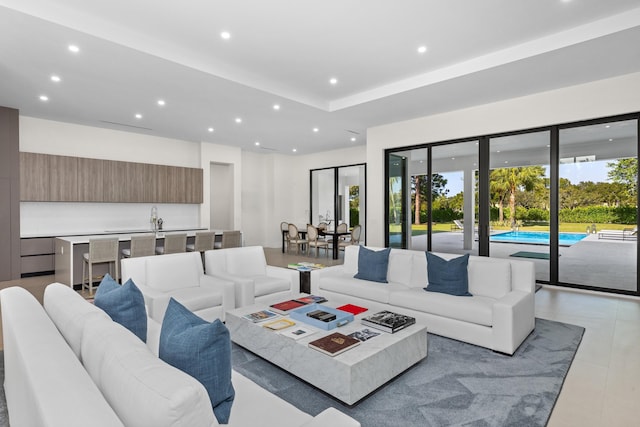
(230, 239)
(100, 251)
(173, 244)
(204, 241)
(141, 245)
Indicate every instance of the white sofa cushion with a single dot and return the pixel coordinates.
(365, 289)
(489, 277)
(246, 261)
(142, 389)
(475, 309)
(69, 311)
(173, 271)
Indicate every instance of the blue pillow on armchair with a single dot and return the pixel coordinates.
(448, 276)
(124, 304)
(202, 350)
(372, 265)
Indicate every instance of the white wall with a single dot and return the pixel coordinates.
(227, 155)
(52, 218)
(582, 102)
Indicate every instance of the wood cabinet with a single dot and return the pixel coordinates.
(34, 177)
(75, 179)
(63, 178)
(90, 180)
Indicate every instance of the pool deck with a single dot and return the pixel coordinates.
(594, 262)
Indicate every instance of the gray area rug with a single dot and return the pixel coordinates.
(458, 384)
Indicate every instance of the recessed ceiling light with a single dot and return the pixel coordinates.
(610, 139)
(73, 48)
(607, 126)
(353, 139)
(422, 49)
(138, 116)
(257, 143)
(226, 35)
(276, 106)
(211, 129)
(55, 78)
(497, 151)
(44, 98)
(316, 129)
(506, 161)
(294, 150)
(333, 81)
(161, 102)
(453, 158)
(238, 120)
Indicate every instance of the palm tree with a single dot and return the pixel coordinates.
(510, 179)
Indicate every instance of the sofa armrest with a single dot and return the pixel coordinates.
(156, 301)
(226, 287)
(244, 287)
(331, 417)
(288, 274)
(513, 320)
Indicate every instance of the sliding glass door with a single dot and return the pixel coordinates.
(598, 195)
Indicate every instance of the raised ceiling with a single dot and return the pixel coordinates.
(284, 52)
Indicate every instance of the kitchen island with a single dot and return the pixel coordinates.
(69, 250)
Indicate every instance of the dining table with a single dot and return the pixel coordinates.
(335, 234)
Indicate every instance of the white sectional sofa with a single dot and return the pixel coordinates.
(499, 315)
(247, 268)
(181, 276)
(68, 364)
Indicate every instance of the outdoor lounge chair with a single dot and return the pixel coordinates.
(625, 234)
(457, 225)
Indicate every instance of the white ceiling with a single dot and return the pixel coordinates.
(134, 52)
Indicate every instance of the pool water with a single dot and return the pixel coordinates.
(536, 237)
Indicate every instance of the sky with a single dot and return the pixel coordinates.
(574, 172)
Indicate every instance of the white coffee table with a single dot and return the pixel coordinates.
(349, 376)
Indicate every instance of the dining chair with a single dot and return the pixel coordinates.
(354, 238)
(141, 245)
(296, 239)
(100, 251)
(173, 244)
(314, 241)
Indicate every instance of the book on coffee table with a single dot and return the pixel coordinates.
(276, 325)
(353, 309)
(388, 321)
(310, 299)
(334, 344)
(364, 334)
(285, 307)
(298, 332)
(260, 316)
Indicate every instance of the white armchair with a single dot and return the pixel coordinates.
(247, 268)
(182, 277)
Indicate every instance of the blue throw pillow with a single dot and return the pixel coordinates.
(202, 350)
(372, 265)
(448, 277)
(124, 304)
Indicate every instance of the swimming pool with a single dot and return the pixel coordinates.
(536, 237)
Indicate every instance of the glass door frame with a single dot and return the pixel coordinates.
(336, 193)
(484, 193)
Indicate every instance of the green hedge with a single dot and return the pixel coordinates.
(599, 214)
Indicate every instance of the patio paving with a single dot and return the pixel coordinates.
(601, 263)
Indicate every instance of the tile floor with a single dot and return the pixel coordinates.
(603, 384)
